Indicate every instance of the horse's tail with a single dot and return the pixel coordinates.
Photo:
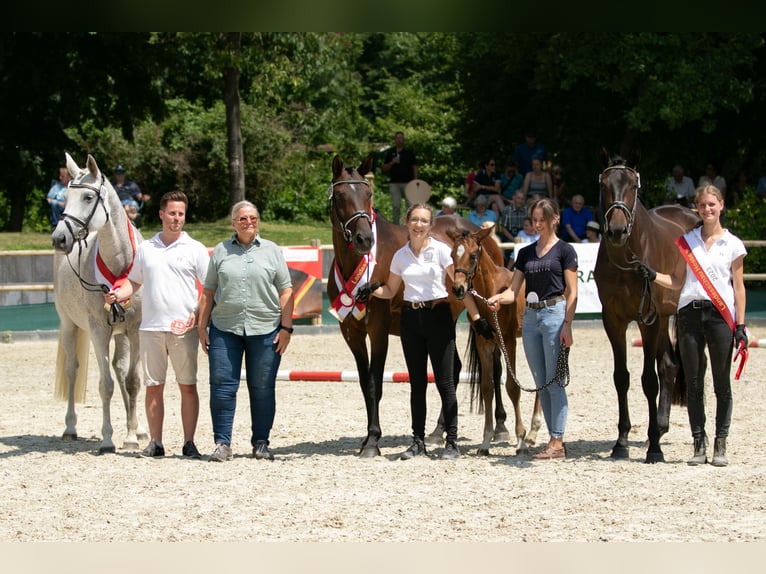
(82, 349)
(474, 372)
(679, 386)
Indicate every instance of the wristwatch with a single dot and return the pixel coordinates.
(288, 329)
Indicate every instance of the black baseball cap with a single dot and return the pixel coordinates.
(119, 169)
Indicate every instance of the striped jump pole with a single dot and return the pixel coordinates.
(637, 342)
(346, 376)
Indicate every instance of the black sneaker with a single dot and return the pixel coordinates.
(154, 450)
(417, 448)
(190, 450)
(451, 451)
(261, 450)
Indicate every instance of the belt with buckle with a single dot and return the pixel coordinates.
(547, 303)
(701, 304)
(424, 304)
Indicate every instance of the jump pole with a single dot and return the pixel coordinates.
(346, 376)
(637, 342)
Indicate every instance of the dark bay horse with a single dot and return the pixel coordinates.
(635, 235)
(477, 271)
(362, 239)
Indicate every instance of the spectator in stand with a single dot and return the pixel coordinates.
(487, 183)
(574, 219)
(402, 167)
(738, 188)
(523, 153)
(512, 218)
(537, 183)
(57, 195)
(760, 189)
(528, 234)
(559, 186)
(479, 214)
(129, 192)
(680, 187)
(712, 177)
(510, 181)
(468, 190)
(449, 206)
(592, 232)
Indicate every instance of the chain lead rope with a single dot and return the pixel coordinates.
(561, 377)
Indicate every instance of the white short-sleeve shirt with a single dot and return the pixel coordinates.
(423, 275)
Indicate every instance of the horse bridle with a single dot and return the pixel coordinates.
(630, 213)
(83, 231)
(469, 273)
(344, 224)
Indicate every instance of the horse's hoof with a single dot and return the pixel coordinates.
(620, 452)
(106, 450)
(130, 445)
(435, 439)
(501, 436)
(369, 452)
(653, 457)
(70, 436)
(142, 436)
(483, 452)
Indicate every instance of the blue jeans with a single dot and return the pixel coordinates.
(540, 333)
(261, 364)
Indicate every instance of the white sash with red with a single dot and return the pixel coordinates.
(346, 302)
(697, 259)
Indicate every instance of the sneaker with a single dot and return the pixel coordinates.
(451, 451)
(417, 448)
(221, 453)
(261, 450)
(154, 450)
(190, 450)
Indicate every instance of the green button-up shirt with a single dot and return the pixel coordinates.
(247, 281)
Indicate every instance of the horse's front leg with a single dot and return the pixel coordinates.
(651, 387)
(370, 382)
(501, 433)
(621, 376)
(100, 338)
(667, 371)
(486, 353)
(68, 342)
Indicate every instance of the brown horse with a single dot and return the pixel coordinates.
(635, 235)
(361, 237)
(477, 271)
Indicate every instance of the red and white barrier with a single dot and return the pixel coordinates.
(636, 342)
(346, 376)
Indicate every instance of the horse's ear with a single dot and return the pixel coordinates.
(92, 166)
(337, 167)
(634, 157)
(603, 155)
(71, 165)
(454, 234)
(366, 166)
(482, 234)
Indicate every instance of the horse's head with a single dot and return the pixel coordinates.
(619, 185)
(86, 209)
(466, 253)
(350, 197)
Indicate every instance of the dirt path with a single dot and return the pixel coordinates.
(319, 490)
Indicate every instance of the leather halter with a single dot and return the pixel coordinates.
(344, 224)
(469, 273)
(82, 233)
(630, 212)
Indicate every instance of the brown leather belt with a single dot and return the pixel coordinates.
(546, 303)
(423, 304)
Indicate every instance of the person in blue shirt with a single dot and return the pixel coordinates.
(574, 219)
(57, 195)
(524, 152)
(479, 214)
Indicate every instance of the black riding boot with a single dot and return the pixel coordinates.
(719, 453)
(700, 451)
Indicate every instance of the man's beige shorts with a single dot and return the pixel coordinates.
(156, 347)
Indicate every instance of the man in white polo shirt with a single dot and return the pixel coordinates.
(169, 266)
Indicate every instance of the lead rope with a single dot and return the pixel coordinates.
(561, 377)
